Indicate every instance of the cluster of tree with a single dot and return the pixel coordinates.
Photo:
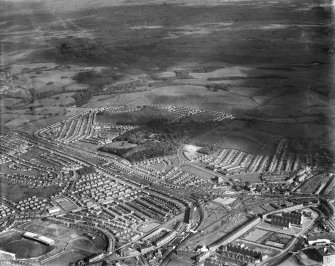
(82, 97)
(86, 170)
(218, 87)
(151, 149)
(85, 76)
(116, 151)
(76, 50)
(163, 131)
(182, 74)
(158, 137)
(146, 150)
(5, 79)
(43, 94)
(208, 149)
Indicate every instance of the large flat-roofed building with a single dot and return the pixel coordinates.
(320, 238)
(39, 238)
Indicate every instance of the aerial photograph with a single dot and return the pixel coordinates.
(167, 132)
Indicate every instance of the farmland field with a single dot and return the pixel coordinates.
(144, 57)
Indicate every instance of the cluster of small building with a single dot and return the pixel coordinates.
(13, 145)
(240, 254)
(179, 177)
(117, 206)
(181, 112)
(5, 211)
(84, 127)
(28, 181)
(32, 204)
(280, 167)
(103, 190)
(287, 219)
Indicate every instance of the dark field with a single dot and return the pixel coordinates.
(16, 192)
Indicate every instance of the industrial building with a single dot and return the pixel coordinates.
(286, 219)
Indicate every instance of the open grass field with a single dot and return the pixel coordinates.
(238, 135)
(83, 244)
(198, 172)
(65, 204)
(57, 232)
(25, 248)
(67, 258)
(63, 235)
(120, 145)
(290, 261)
(141, 116)
(255, 234)
(147, 227)
(17, 192)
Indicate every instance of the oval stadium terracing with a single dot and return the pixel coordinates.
(49, 243)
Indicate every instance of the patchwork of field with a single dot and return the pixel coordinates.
(193, 59)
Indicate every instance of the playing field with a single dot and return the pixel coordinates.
(66, 204)
(25, 248)
(67, 259)
(254, 235)
(198, 172)
(54, 231)
(13, 242)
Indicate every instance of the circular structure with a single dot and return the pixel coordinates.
(25, 248)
